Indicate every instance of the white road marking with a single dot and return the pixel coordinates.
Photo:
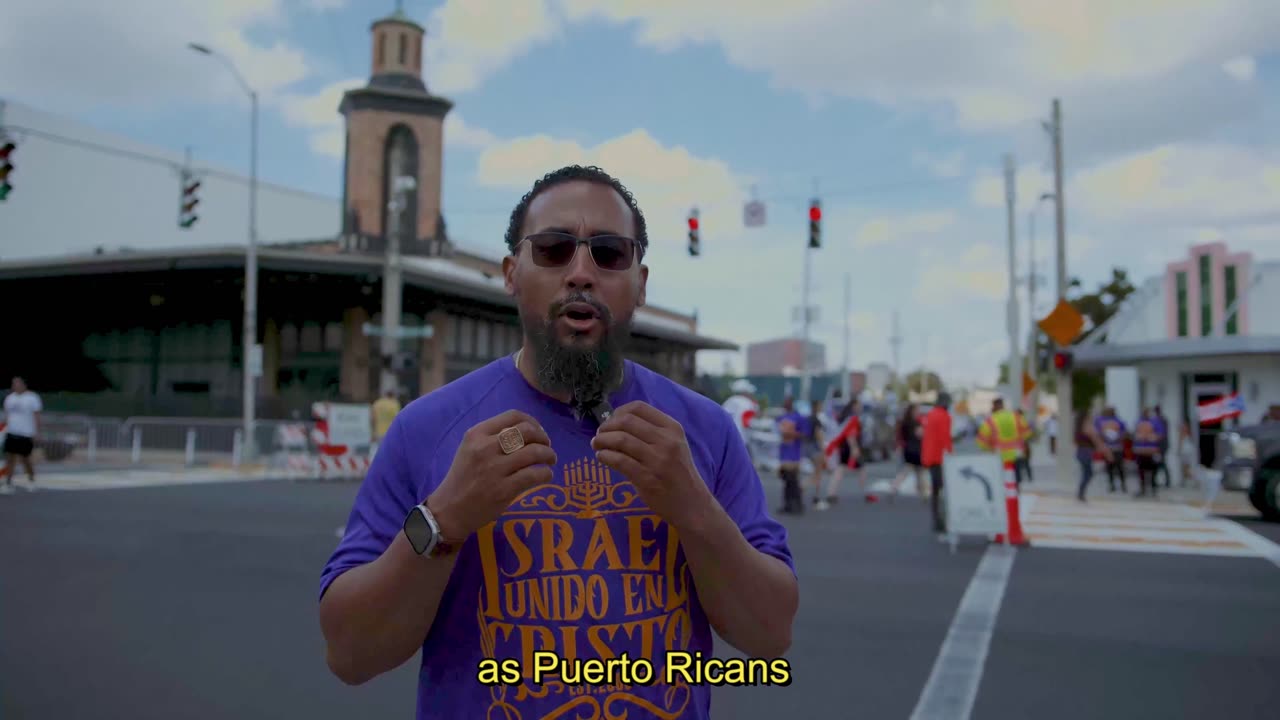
(952, 687)
(1127, 525)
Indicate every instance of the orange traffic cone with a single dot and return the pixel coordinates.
(1015, 535)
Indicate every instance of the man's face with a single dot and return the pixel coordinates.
(18, 385)
(577, 316)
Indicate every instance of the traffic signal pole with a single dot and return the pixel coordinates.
(392, 283)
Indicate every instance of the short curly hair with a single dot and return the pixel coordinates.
(569, 173)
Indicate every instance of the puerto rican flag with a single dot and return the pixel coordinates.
(1227, 406)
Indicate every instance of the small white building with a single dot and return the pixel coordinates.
(1208, 327)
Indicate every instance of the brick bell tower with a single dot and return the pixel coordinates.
(394, 127)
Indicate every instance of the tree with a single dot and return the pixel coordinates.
(1097, 307)
(912, 383)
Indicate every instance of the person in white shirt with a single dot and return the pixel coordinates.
(22, 410)
(743, 408)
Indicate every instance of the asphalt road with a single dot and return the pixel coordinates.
(200, 602)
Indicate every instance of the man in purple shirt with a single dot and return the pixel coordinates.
(794, 428)
(562, 501)
(1112, 430)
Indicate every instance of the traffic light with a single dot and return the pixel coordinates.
(6, 166)
(187, 207)
(815, 224)
(694, 243)
(1062, 361)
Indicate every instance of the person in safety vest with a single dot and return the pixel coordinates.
(743, 408)
(1004, 432)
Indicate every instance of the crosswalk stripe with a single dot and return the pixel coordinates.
(1120, 525)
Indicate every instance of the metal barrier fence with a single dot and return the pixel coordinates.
(166, 440)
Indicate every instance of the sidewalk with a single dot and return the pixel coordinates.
(91, 477)
(1047, 483)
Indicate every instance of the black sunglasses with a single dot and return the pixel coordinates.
(609, 252)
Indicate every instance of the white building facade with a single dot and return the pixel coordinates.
(1208, 327)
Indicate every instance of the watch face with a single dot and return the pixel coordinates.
(418, 530)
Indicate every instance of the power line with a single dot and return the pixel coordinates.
(154, 160)
(798, 201)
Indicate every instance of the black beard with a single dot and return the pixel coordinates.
(585, 373)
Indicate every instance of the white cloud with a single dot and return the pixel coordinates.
(467, 40)
(318, 114)
(78, 56)
(1138, 66)
(886, 229)
(979, 270)
(1183, 184)
(948, 165)
(1029, 183)
(1242, 68)
(457, 133)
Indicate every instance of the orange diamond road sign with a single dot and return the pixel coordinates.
(1064, 324)
(1028, 384)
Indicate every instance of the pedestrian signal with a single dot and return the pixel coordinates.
(815, 224)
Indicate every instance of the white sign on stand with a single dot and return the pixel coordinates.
(973, 488)
(349, 425)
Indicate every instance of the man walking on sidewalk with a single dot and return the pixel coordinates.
(934, 445)
(22, 410)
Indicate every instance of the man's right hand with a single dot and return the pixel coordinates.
(483, 481)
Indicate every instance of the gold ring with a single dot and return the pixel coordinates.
(510, 440)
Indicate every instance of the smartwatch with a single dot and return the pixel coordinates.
(423, 533)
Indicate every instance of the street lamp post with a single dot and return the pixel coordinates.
(251, 352)
(1032, 280)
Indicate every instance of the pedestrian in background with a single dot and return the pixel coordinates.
(1028, 437)
(813, 444)
(1113, 432)
(1088, 443)
(384, 411)
(793, 427)
(935, 445)
(1162, 458)
(22, 410)
(848, 445)
(910, 437)
(1146, 446)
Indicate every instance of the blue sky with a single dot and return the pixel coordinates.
(901, 111)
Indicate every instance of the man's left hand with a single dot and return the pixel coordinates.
(649, 448)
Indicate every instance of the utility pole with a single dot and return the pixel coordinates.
(806, 313)
(1015, 354)
(1064, 459)
(1033, 357)
(392, 283)
(844, 371)
(895, 342)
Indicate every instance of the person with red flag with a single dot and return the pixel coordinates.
(848, 444)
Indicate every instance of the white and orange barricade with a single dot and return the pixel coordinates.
(335, 445)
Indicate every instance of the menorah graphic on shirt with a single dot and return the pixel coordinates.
(588, 490)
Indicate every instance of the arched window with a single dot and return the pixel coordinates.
(401, 159)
